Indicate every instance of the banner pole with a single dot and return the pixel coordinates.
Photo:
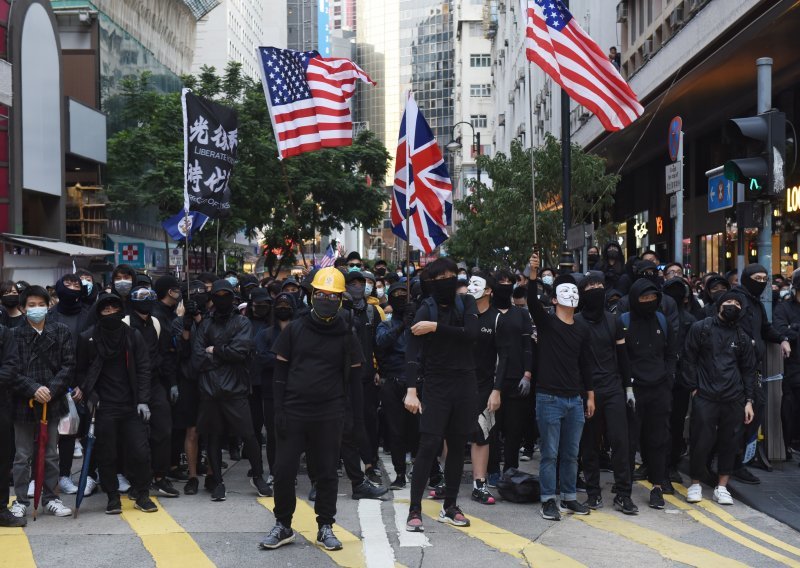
(186, 249)
(216, 251)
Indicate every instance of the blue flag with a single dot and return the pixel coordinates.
(178, 226)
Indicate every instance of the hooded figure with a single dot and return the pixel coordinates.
(648, 271)
(122, 281)
(612, 263)
(70, 310)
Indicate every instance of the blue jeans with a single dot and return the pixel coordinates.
(560, 421)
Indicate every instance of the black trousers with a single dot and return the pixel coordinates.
(372, 397)
(160, 430)
(790, 412)
(350, 436)
(115, 425)
(677, 419)
(649, 429)
(720, 423)
(268, 404)
(511, 420)
(217, 418)
(6, 452)
(257, 412)
(610, 423)
(320, 440)
(400, 423)
(430, 445)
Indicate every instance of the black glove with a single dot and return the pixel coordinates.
(191, 308)
(188, 321)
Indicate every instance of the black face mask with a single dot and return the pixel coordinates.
(593, 303)
(592, 258)
(111, 322)
(676, 294)
(143, 306)
(444, 291)
(648, 308)
(223, 305)
(201, 299)
(380, 271)
(730, 313)
(326, 310)
(613, 254)
(755, 288)
(398, 304)
(502, 296)
(261, 311)
(10, 301)
(283, 314)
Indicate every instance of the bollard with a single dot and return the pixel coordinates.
(772, 427)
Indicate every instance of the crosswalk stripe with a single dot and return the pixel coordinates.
(532, 553)
(305, 523)
(667, 547)
(378, 551)
(725, 516)
(400, 505)
(166, 541)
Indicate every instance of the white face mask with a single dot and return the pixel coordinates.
(380, 292)
(567, 295)
(367, 289)
(547, 280)
(476, 287)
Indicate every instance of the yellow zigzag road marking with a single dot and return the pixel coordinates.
(166, 541)
(15, 548)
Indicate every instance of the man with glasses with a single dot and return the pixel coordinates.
(354, 262)
(673, 270)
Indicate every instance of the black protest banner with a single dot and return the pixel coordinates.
(210, 137)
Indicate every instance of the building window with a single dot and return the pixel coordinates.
(475, 29)
(481, 90)
(478, 120)
(480, 60)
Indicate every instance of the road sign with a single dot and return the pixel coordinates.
(673, 205)
(674, 177)
(131, 254)
(576, 235)
(674, 137)
(720, 193)
(175, 257)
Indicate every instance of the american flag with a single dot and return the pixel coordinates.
(421, 184)
(557, 44)
(329, 258)
(308, 98)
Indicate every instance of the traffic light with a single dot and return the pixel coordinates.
(762, 174)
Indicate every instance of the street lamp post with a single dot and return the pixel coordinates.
(455, 144)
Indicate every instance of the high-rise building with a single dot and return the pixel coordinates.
(231, 32)
(302, 21)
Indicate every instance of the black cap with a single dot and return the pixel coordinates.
(105, 299)
(221, 286)
(354, 275)
(165, 284)
(353, 256)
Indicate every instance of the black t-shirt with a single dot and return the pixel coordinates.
(114, 384)
(485, 352)
(513, 339)
(316, 353)
(602, 352)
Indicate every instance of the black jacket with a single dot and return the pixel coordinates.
(786, 319)
(223, 374)
(667, 306)
(754, 322)
(89, 365)
(514, 348)
(160, 347)
(719, 361)
(9, 365)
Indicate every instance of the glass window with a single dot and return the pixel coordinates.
(480, 60)
(480, 90)
(478, 120)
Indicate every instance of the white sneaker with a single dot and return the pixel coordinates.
(694, 493)
(124, 484)
(722, 496)
(18, 509)
(31, 488)
(67, 486)
(58, 509)
(78, 453)
(91, 485)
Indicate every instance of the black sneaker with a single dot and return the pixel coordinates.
(145, 505)
(327, 540)
(366, 490)
(482, 495)
(573, 507)
(605, 463)
(261, 486)
(526, 455)
(595, 502)
(675, 475)
(550, 510)
(580, 485)
(399, 482)
(165, 488)
(640, 473)
(133, 495)
(414, 522)
(9, 520)
(743, 475)
(235, 453)
(191, 486)
(625, 505)
(312, 495)
(667, 488)
(114, 506)
(209, 484)
(453, 516)
(657, 499)
(374, 475)
(277, 537)
(437, 493)
(219, 493)
(177, 474)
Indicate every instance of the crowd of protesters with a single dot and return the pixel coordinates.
(438, 367)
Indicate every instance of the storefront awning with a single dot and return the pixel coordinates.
(54, 246)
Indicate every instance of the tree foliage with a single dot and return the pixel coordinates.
(285, 203)
(496, 223)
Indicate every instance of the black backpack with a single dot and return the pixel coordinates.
(519, 487)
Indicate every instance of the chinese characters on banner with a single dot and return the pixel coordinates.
(210, 136)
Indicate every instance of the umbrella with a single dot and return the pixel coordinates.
(87, 456)
(40, 451)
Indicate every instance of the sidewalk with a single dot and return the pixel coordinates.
(778, 495)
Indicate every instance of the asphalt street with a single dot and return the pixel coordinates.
(193, 532)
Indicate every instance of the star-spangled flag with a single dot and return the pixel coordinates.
(557, 44)
(422, 184)
(329, 258)
(308, 96)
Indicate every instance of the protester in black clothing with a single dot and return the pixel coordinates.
(122, 282)
(714, 286)
(652, 352)
(756, 324)
(786, 320)
(163, 388)
(10, 313)
(90, 289)
(648, 270)
(563, 377)
(484, 450)
(592, 257)
(259, 312)
(9, 367)
(612, 264)
(221, 352)
(168, 293)
(113, 365)
(445, 326)
(318, 357)
(613, 390)
(720, 371)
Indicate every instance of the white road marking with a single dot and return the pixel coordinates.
(407, 539)
(377, 550)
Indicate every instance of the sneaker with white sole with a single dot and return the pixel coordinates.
(91, 486)
(31, 488)
(58, 509)
(694, 494)
(67, 486)
(124, 484)
(722, 496)
(78, 452)
(18, 509)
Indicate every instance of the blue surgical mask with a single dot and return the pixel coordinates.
(547, 280)
(233, 281)
(388, 317)
(88, 284)
(36, 315)
(367, 289)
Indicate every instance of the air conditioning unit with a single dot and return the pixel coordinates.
(501, 119)
(622, 12)
(647, 48)
(676, 18)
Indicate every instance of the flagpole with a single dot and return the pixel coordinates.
(533, 161)
(216, 251)
(186, 248)
(409, 182)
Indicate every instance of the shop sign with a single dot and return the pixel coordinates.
(793, 199)
(659, 225)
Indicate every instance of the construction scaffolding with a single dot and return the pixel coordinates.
(86, 216)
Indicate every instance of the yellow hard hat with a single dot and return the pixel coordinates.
(329, 279)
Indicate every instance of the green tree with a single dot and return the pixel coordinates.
(496, 223)
(285, 203)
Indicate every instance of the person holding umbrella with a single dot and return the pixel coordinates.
(47, 364)
(9, 362)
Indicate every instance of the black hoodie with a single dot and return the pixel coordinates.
(652, 352)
